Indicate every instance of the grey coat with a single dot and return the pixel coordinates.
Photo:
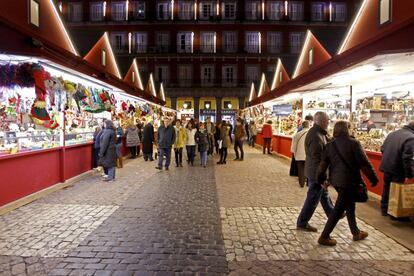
(132, 137)
(165, 137)
(107, 153)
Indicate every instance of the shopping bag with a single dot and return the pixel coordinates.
(401, 200)
(220, 143)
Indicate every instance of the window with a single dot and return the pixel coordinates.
(162, 42)
(141, 42)
(274, 42)
(295, 10)
(229, 10)
(163, 11)
(96, 11)
(206, 10)
(119, 42)
(75, 12)
(229, 75)
(252, 42)
(185, 42)
(310, 57)
(296, 40)
(133, 76)
(34, 13)
(208, 44)
(103, 57)
(252, 73)
(118, 11)
(275, 10)
(252, 10)
(161, 74)
(138, 10)
(207, 75)
(385, 11)
(318, 11)
(338, 12)
(186, 10)
(230, 42)
(185, 75)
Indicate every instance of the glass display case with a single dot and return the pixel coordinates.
(12, 142)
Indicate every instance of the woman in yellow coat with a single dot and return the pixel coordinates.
(180, 138)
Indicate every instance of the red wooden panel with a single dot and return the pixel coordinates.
(27, 173)
(375, 159)
(78, 159)
(259, 139)
(285, 144)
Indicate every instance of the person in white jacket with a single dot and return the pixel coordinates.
(298, 151)
(190, 144)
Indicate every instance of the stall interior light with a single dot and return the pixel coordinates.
(215, 42)
(251, 92)
(286, 8)
(261, 87)
(302, 53)
(111, 53)
(129, 42)
(139, 76)
(195, 10)
(172, 9)
(277, 73)
(330, 11)
(263, 10)
(104, 8)
(126, 9)
(74, 51)
(351, 29)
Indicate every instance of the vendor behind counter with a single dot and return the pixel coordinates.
(366, 124)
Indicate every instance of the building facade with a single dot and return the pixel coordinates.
(207, 53)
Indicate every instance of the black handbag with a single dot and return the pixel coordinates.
(360, 191)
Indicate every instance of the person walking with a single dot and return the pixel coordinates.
(190, 144)
(345, 158)
(267, 133)
(252, 133)
(225, 142)
(397, 160)
(315, 142)
(246, 129)
(119, 135)
(132, 139)
(107, 152)
(239, 136)
(165, 141)
(140, 127)
(202, 140)
(308, 118)
(217, 137)
(211, 130)
(147, 141)
(96, 146)
(180, 139)
(298, 151)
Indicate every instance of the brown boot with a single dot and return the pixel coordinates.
(361, 236)
(121, 162)
(327, 241)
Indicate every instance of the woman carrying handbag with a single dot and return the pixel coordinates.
(345, 159)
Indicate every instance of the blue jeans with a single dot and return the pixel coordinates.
(167, 153)
(118, 148)
(315, 195)
(111, 173)
(203, 158)
(191, 152)
(238, 144)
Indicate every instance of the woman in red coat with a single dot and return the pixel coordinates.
(267, 133)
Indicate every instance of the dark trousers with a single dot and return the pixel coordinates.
(252, 140)
(223, 155)
(315, 195)
(148, 156)
(301, 172)
(167, 153)
(217, 146)
(178, 156)
(95, 157)
(238, 144)
(191, 151)
(388, 178)
(133, 151)
(344, 202)
(138, 150)
(266, 145)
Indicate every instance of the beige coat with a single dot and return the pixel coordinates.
(298, 145)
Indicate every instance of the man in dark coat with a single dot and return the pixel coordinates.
(165, 141)
(397, 160)
(107, 153)
(147, 141)
(315, 143)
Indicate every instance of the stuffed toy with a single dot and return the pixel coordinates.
(39, 106)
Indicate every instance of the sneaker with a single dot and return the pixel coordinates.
(327, 241)
(361, 236)
(104, 175)
(109, 180)
(158, 168)
(307, 228)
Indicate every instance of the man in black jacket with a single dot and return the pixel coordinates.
(165, 140)
(397, 160)
(315, 142)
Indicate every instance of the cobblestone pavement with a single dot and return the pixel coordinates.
(236, 219)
